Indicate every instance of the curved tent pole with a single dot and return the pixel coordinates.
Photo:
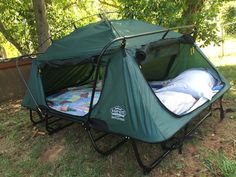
(26, 85)
(112, 26)
(100, 15)
(123, 39)
(40, 45)
(97, 72)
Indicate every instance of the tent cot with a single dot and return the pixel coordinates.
(124, 55)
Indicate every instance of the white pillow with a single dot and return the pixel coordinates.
(176, 102)
(196, 82)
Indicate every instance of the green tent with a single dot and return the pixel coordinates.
(127, 105)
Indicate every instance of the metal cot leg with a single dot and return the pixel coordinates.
(104, 152)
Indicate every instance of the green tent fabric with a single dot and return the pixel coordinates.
(146, 118)
(90, 40)
(127, 104)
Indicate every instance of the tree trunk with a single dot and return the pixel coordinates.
(41, 25)
(192, 8)
(3, 54)
(11, 39)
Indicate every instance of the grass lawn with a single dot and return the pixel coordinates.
(212, 152)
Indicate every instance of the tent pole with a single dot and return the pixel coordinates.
(97, 73)
(27, 87)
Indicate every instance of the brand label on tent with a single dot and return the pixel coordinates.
(118, 113)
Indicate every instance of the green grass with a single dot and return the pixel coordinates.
(229, 71)
(219, 165)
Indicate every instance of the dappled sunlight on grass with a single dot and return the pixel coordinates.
(233, 91)
(229, 72)
(11, 107)
(215, 51)
(227, 60)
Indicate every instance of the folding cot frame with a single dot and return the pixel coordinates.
(51, 117)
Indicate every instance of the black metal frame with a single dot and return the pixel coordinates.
(53, 129)
(221, 109)
(48, 122)
(147, 168)
(176, 143)
(107, 151)
(40, 120)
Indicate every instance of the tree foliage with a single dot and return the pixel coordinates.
(229, 19)
(64, 15)
(18, 25)
(201, 13)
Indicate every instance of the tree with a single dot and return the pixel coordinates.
(19, 26)
(18, 22)
(10, 38)
(41, 24)
(202, 13)
(229, 18)
(2, 53)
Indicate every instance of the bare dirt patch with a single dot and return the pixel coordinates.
(4, 147)
(223, 138)
(52, 153)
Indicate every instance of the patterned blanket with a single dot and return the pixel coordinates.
(74, 101)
